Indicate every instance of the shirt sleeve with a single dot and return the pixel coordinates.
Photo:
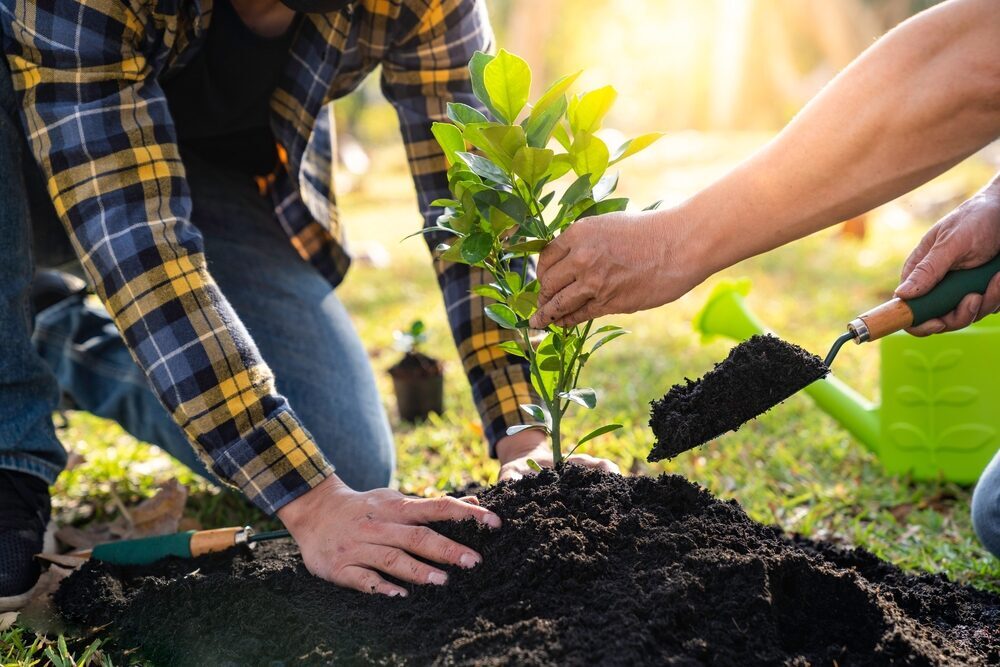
(425, 68)
(99, 127)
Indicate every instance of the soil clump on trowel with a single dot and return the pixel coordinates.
(758, 374)
(589, 569)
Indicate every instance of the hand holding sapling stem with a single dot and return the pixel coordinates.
(348, 537)
(515, 452)
(504, 212)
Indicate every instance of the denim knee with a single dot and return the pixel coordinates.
(986, 507)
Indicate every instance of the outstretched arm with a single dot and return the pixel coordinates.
(921, 99)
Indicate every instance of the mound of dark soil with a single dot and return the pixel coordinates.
(589, 569)
(758, 374)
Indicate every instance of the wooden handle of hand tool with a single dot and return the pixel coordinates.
(897, 314)
(212, 541)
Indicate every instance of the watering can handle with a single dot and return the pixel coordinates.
(897, 314)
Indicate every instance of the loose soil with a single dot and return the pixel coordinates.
(589, 569)
(758, 374)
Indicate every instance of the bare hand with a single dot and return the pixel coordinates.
(514, 452)
(966, 238)
(349, 537)
(616, 263)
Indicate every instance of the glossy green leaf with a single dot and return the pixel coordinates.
(476, 246)
(489, 292)
(514, 430)
(604, 187)
(475, 135)
(586, 397)
(446, 203)
(532, 164)
(586, 112)
(508, 81)
(510, 347)
(539, 128)
(525, 304)
(577, 192)
(484, 167)
(560, 134)
(589, 156)
(500, 221)
(607, 428)
(463, 114)
(528, 247)
(536, 412)
(450, 139)
(533, 464)
(606, 206)
(453, 252)
(633, 146)
(555, 93)
(477, 67)
(502, 315)
(607, 338)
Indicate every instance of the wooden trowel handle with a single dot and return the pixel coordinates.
(898, 314)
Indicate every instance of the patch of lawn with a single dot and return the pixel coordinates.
(795, 467)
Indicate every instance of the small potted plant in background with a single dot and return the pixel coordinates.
(417, 378)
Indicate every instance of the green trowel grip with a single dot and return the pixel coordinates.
(145, 550)
(948, 293)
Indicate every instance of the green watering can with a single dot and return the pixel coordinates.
(940, 411)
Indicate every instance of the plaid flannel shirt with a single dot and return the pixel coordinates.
(96, 118)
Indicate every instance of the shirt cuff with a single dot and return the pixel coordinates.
(499, 395)
(275, 464)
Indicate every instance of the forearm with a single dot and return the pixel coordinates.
(920, 100)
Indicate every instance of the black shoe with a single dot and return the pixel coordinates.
(24, 513)
(50, 287)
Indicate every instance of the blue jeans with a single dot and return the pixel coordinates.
(292, 313)
(986, 506)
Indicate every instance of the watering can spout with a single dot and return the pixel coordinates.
(726, 314)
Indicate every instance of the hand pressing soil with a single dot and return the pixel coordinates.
(589, 568)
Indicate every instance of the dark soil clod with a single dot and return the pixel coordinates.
(758, 374)
(589, 569)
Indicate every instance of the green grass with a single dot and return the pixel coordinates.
(795, 467)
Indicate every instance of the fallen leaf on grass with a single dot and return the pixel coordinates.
(83, 538)
(159, 515)
(65, 560)
(7, 619)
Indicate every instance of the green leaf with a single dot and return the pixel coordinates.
(525, 304)
(536, 412)
(528, 247)
(508, 80)
(655, 205)
(477, 67)
(484, 167)
(531, 164)
(502, 315)
(476, 246)
(514, 430)
(506, 140)
(607, 338)
(533, 464)
(453, 252)
(586, 397)
(450, 139)
(513, 279)
(500, 221)
(604, 187)
(540, 128)
(510, 347)
(633, 146)
(489, 292)
(550, 363)
(586, 112)
(463, 114)
(474, 134)
(589, 156)
(446, 203)
(606, 206)
(553, 95)
(417, 328)
(607, 428)
(577, 192)
(559, 132)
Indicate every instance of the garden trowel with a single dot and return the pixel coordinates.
(764, 370)
(189, 544)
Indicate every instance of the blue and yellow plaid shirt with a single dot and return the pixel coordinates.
(87, 73)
